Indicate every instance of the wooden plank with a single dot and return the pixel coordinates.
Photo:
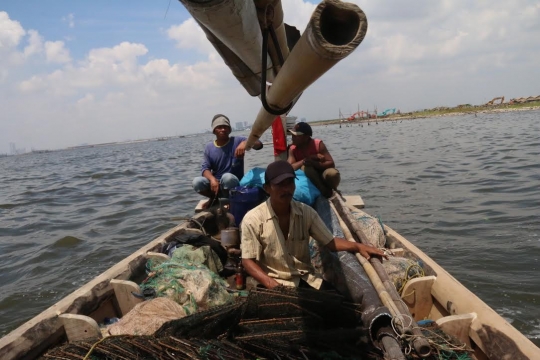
(417, 296)
(199, 206)
(123, 290)
(458, 326)
(80, 327)
(222, 201)
(157, 256)
(354, 201)
(398, 252)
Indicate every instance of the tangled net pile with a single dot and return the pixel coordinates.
(284, 323)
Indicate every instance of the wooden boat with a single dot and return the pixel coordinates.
(438, 297)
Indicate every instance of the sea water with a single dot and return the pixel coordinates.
(463, 189)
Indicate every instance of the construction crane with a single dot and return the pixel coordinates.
(492, 101)
(387, 112)
(358, 114)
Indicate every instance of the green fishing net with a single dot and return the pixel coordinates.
(187, 279)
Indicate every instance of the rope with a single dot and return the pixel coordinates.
(417, 274)
(270, 29)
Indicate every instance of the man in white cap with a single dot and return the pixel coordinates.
(223, 164)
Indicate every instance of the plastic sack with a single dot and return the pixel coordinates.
(305, 191)
(253, 178)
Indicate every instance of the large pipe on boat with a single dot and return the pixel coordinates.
(333, 32)
(382, 335)
(233, 29)
(419, 342)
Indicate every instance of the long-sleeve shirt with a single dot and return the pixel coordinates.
(220, 159)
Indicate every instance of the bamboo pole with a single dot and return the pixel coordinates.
(419, 342)
(389, 343)
(334, 31)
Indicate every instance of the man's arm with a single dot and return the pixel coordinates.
(255, 271)
(207, 173)
(292, 160)
(241, 148)
(324, 159)
(251, 248)
(214, 183)
(340, 244)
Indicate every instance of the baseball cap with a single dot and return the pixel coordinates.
(302, 128)
(278, 171)
(219, 120)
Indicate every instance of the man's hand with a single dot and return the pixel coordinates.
(368, 251)
(214, 185)
(240, 150)
(253, 269)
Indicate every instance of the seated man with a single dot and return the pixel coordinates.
(223, 165)
(312, 156)
(275, 235)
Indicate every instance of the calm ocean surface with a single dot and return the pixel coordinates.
(465, 190)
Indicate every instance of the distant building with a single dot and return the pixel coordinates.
(239, 126)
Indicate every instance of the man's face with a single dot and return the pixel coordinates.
(222, 131)
(299, 140)
(282, 192)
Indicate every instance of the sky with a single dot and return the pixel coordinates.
(88, 72)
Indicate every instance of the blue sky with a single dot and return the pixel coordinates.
(74, 72)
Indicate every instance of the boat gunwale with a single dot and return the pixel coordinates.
(488, 327)
(35, 335)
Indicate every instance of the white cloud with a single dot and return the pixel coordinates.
(56, 52)
(11, 32)
(35, 44)
(87, 100)
(297, 13)
(189, 36)
(70, 20)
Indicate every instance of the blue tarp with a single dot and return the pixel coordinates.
(305, 191)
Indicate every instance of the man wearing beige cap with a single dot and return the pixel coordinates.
(223, 164)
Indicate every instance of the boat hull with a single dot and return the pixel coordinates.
(439, 297)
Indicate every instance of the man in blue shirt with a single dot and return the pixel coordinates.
(223, 165)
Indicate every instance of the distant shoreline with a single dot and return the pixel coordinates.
(428, 114)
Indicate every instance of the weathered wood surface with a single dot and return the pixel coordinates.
(80, 327)
(38, 333)
(493, 335)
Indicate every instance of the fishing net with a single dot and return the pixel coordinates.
(443, 346)
(284, 323)
(371, 227)
(400, 270)
(187, 281)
